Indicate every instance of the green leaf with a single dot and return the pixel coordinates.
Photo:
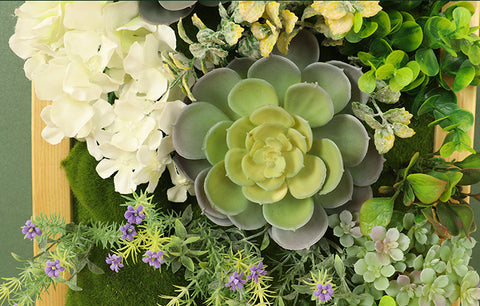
(379, 49)
(180, 230)
(402, 78)
(471, 161)
(181, 32)
(384, 72)
(427, 60)
(427, 188)
(408, 195)
(384, 24)
(409, 37)
(463, 119)
(387, 301)
(431, 216)
(357, 22)
(187, 215)
(461, 16)
(396, 20)
(367, 82)
(397, 58)
(19, 258)
(447, 218)
(447, 149)
(452, 178)
(464, 76)
(94, 268)
(187, 262)
(191, 239)
(265, 241)
(375, 212)
(474, 54)
(339, 266)
(470, 176)
(73, 286)
(466, 217)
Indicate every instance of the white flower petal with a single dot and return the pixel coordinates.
(78, 13)
(124, 182)
(70, 115)
(106, 167)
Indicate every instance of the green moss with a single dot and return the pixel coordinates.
(95, 199)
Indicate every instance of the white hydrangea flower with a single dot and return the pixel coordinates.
(389, 244)
(77, 54)
(183, 185)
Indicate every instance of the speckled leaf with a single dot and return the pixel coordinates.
(375, 212)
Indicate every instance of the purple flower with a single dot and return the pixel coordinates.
(134, 215)
(128, 231)
(115, 262)
(236, 281)
(154, 258)
(30, 230)
(324, 292)
(256, 271)
(52, 269)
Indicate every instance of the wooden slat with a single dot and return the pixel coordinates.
(50, 189)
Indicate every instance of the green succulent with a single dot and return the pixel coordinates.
(265, 142)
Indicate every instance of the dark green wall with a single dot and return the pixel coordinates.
(15, 156)
(15, 145)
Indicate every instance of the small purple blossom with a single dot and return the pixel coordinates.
(128, 231)
(256, 271)
(134, 215)
(154, 258)
(30, 230)
(236, 281)
(324, 292)
(53, 268)
(115, 262)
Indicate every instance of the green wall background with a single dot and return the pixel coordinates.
(15, 151)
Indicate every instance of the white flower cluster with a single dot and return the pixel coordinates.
(79, 55)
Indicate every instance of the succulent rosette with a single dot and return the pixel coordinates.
(266, 142)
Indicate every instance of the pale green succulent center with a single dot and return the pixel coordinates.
(269, 154)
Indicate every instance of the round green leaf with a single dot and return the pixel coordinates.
(191, 127)
(464, 76)
(350, 136)
(289, 213)
(259, 195)
(409, 37)
(233, 166)
(278, 71)
(332, 79)
(215, 143)
(401, 78)
(250, 219)
(367, 82)
(311, 102)
(375, 212)
(385, 71)
(271, 113)
(214, 88)
(304, 237)
(249, 94)
(309, 180)
(329, 152)
(428, 62)
(339, 196)
(427, 188)
(224, 195)
(237, 133)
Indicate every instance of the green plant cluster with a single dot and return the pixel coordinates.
(404, 54)
(431, 187)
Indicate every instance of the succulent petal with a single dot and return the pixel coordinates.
(338, 196)
(289, 213)
(192, 126)
(249, 94)
(249, 219)
(259, 195)
(329, 152)
(229, 199)
(215, 144)
(238, 131)
(309, 180)
(233, 167)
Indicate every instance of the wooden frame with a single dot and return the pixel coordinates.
(51, 191)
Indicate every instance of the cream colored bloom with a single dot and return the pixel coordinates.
(339, 15)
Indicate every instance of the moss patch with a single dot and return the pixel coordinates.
(95, 199)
